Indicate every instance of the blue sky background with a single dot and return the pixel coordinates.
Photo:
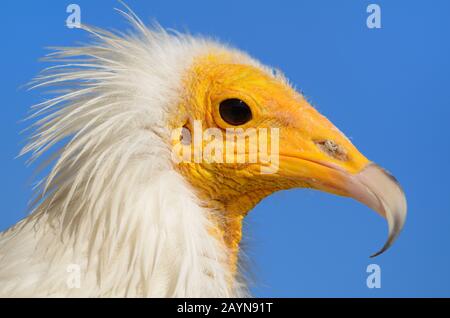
(387, 89)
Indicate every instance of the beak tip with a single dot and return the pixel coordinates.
(390, 201)
(383, 249)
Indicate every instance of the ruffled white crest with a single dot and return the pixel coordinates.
(112, 203)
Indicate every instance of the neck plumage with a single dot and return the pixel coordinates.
(139, 233)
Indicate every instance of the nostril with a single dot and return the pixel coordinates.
(332, 149)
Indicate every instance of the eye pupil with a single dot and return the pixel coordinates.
(235, 112)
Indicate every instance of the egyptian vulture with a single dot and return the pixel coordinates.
(119, 207)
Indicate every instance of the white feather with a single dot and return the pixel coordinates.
(112, 202)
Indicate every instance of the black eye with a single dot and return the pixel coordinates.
(235, 112)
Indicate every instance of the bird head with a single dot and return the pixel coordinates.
(242, 132)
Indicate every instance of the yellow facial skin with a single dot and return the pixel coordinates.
(313, 153)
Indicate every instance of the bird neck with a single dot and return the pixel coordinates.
(228, 221)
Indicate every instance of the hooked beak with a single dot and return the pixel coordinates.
(373, 186)
(316, 154)
(380, 191)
